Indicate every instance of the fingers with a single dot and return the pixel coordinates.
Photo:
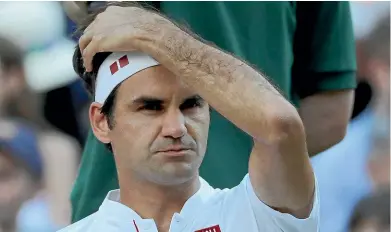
(84, 40)
(91, 46)
(104, 34)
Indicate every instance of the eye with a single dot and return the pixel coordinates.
(191, 103)
(152, 107)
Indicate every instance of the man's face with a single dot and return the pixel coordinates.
(15, 187)
(2, 91)
(160, 128)
(11, 86)
(379, 169)
(371, 225)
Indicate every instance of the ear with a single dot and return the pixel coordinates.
(99, 123)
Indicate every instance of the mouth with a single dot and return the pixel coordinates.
(175, 151)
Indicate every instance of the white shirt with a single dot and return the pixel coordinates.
(208, 210)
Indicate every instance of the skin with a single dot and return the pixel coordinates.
(60, 173)
(75, 10)
(279, 166)
(155, 112)
(16, 182)
(60, 169)
(16, 187)
(325, 115)
(370, 225)
(11, 86)
(379, 162)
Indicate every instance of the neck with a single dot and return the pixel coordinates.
(158, 202)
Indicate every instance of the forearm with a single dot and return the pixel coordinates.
(325, 117)
(321, 135)
(229, 85)
(279, 166)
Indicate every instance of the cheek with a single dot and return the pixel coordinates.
(198, 128)
(133, 135)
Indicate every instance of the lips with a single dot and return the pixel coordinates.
(175, 149)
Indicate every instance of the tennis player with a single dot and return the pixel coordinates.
(153, 84)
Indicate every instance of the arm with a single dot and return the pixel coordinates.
(279, 167)
(60, 155)
(325, 117)
(76, 11)
(323, 73)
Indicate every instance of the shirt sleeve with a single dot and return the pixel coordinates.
(324, 49)
(282, 221)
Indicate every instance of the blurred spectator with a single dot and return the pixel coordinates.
(377, 49)
(59, 151)
(21, 170)
(16, 99)
(372, 214)
(39, 29)
(366, 144)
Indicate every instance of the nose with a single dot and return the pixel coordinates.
(174, 124)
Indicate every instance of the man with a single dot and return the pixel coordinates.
(46, 54)
(21, 171)
(372, 214)
(307, 50)
(366, 145)
(153, 113)
(59, 151)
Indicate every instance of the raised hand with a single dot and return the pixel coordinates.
(120, 29)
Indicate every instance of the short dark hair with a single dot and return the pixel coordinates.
(11, 55)
(376, 206)
(89, 78)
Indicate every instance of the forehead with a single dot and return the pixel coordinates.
(155, 81)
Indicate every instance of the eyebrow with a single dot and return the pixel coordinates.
(147, 100)
(154, 100)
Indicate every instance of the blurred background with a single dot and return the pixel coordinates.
(44, 124)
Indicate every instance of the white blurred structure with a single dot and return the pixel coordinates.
(366, 14)
(39, 28)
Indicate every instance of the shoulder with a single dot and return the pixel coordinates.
(227, 201)
(81, 226)
(242, 202)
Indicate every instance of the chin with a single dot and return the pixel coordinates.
(175, 173)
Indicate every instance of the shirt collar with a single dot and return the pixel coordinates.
(112, 208)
